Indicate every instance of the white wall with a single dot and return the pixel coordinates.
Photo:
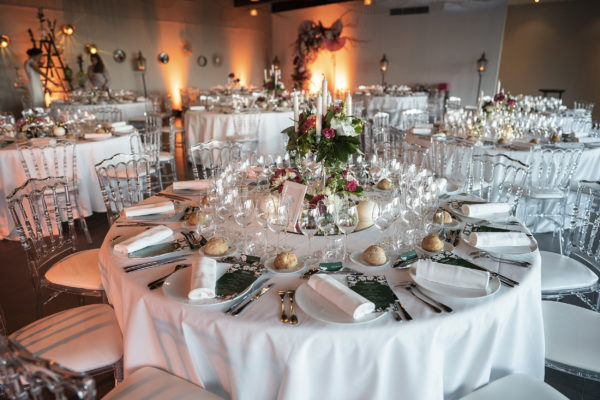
(150, 26)
(441, 46)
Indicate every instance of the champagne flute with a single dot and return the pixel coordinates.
(346, 219)
(243, 217)
(278, 221)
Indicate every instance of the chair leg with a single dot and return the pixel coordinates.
(118, 372)
(82, 220)
(173, 169)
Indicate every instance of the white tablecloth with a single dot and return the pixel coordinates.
(393, 105)
(88, 154)
(255, 356)
(203, 126)
(129, 111)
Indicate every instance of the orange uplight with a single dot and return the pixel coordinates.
(367, 2)
(240, 50)
(336, 66)
(175, 73)
(254, 12)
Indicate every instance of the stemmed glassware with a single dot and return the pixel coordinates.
(278, 222)
(243, 215)
(308, 227)
(346, 219)
(265, 207)
(325, 220)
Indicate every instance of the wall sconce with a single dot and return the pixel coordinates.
(91, 48)
(276, 63)
(481, 65)
(139, 64)
(253, 12)
(4, 41)
(163, 58)
(68, 29)
(383, 66)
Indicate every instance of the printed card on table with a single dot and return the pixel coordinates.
(294, 193)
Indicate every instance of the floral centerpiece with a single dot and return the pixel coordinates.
(500, 102)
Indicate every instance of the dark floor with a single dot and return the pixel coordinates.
(16, 297)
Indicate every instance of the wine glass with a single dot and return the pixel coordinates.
(324, 219)
(225, 210)
(278, 221)
(308, 227)
(265, 207)
(243, 215)
(346, 219)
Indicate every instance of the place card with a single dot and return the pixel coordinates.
(294, 194)
(373, 288)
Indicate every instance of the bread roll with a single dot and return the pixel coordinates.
(285, 260)
(432, 243)
(216, 246)
(375, 255)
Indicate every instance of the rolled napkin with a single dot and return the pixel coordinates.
(341, 296)
(498, 239)
(123, 128)
(421, 131)
(97, 135)
(116, 124)
(154, 235)
(452, 275)
(204, 279)
(483, 209)
(522, 145)
(148, 209)
(197, 108)
(200, 186)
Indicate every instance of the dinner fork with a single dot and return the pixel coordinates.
(431, 299)
(293, 318)
(485, 254)
(160, 281)
(284, 317)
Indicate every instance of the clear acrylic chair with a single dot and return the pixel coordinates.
(148, 143)
(210, 158)
(497, 178)
(548, 186)
(108, 114)
(576, 272)
(414, 153)
(125, 179)
(167, 158)
(246, 132)
(57, 158)
(25, 376)
(451, 160)
(43, 215)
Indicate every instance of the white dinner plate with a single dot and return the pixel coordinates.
(502, 251)
(358, 258)
(319, 308)
(454, 291)
(177, 287)
(270, 267)
(452, 188)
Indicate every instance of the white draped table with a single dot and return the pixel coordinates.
(129, 111)
(89, 153)
(203, 126)
(255, 356)
(393, 105)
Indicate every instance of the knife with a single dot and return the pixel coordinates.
(262, 291)
(399, 305)
(258, 284)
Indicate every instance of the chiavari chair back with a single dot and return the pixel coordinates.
(209, 158)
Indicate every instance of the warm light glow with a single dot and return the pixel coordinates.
(68, 29)
(175, 73)
(367, 2)
(536, 1)
(91, 48)
(4, 41)
(254, 12)
(241, 52)
(336, 66)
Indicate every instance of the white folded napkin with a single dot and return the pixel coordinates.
(116, 124)
(197, 108)
(154, 235)
(341, 296)
(498, 239)
(97, 135)
(148, 209)
(200, 185)
(123, 128)
(421, 131)
(483, 209)
(204, 279)
(452, 275)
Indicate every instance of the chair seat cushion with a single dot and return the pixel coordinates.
(560, 272)
(165, 156)
(540, 193)
(82, 338)
(571, 335)
(152, 383)
(516, 387)
(79, 270)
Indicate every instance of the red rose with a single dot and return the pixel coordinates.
(511, 102)
(310, 123)
(499, 97)
(329, 133)
(351, 185)
(312, 204)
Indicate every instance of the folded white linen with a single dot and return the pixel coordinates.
(200, 185)
(452, 275)
(43, 141)
(498, 239)
(341, 296)
(197, 108)
(154, 235)
(148, 209)
(522, 145)
(421, 131)
(203, 279)
(116, 124)
(97, 135)
(123, 128)
(483, 209)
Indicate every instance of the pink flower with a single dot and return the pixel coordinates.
(329, 133)
(511, 102)
(310, 123)
(351, 185)
(312, 204)
(499, 97)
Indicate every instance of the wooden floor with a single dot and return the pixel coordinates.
(16, 293)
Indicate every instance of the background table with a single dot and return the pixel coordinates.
(203, 126)
(393, 105)
(134, 110)
(89, 153)
(255, 356)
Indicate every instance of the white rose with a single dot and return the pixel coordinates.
(59, 131)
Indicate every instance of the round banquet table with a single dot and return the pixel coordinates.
(203, 126)
(129, 111)
(393, 105)
(255, 356)
(89, 153)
